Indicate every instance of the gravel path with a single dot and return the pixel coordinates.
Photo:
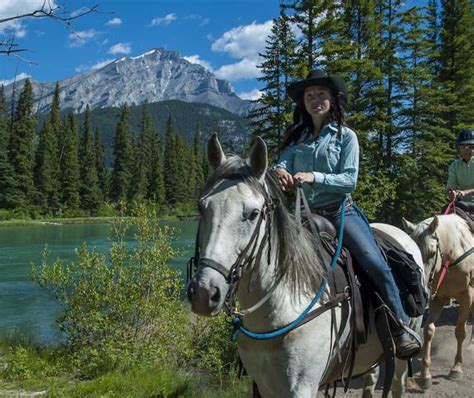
(443, 353)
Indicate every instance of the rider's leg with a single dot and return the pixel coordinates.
(359, 240)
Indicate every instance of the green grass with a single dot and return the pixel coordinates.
(33, 368)
(147, 382)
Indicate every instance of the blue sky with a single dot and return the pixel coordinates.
(223, 35)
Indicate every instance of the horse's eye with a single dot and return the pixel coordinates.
(254, 214)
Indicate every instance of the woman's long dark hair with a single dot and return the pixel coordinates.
(302, 119)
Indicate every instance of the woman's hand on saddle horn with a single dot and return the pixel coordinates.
(302, 177)
(285, 179)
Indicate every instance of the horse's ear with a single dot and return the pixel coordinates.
(215, 154)
(258, 158)
(434, 224)
(408, 226)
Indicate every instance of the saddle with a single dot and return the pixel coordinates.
(465, 210)
(344, 277)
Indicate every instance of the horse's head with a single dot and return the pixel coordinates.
(231, 211)
(426, 237)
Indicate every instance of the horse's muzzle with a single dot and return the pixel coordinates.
(205, 300)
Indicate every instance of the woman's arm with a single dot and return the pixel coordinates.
(284, 168)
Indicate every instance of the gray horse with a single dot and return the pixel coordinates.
(241, 208)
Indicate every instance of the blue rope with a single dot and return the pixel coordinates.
(237, 321)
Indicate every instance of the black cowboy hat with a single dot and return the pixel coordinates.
(318, 78)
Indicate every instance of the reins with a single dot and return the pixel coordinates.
(252, 254)
(303, 317)
(451, 209)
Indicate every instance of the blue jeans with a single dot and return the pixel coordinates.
(358, 238)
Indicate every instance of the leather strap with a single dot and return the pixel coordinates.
(383, 331)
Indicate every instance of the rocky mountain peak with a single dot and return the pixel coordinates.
(155, 75)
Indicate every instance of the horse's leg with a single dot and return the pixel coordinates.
(436, 306)
(460, 332)
(399, 378)
(370, 380)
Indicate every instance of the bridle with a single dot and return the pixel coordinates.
(250, 256)
(444, 266)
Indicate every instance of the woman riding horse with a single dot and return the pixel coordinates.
(321, 151)
(461, 172)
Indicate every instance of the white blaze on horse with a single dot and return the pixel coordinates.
(244, 222)
(443, 240)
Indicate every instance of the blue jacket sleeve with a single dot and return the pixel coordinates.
(286, 159)
(345, 181)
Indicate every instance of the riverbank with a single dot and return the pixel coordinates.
(77, 220)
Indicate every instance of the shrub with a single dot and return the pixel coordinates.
(123, 307)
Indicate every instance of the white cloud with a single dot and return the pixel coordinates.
(244, 69)
(10, 8)
(114, 21)
(201, 20)
(244, 41)
(98, 65)
(195, 59)
(166, 20)
(120, 48)
(6, 82)
(253, 95)
(79, 11)
(78, 39)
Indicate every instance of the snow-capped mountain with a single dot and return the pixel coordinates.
(156, 75)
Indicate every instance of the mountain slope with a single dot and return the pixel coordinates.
(156, 75)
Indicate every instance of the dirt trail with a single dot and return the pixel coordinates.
(443, 353)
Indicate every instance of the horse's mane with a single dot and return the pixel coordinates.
(448, 221)
(300, 260)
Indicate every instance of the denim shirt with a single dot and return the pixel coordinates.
(333, 159)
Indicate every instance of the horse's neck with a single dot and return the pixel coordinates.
(282, 304)
(455, 239)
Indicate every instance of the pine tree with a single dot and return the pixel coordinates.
(89, 186)
(102, 171)
(8, 190)
(426, 151)
(70, 169)
(186, 187)
(123, 151)
(142, 165)
(274, 110)
(156, 187)
(46, 181)
(457, 63)
(21, 146)
(198, 165)
(170, 164)
(56, 124)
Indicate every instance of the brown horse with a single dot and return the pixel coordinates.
(447, 247)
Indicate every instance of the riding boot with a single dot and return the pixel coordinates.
(407, 342)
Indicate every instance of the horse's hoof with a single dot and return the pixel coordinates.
(425, 384)
(367, 393)
(455, 375)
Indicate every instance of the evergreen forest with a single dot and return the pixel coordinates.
(410, 71)
(410, 74)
